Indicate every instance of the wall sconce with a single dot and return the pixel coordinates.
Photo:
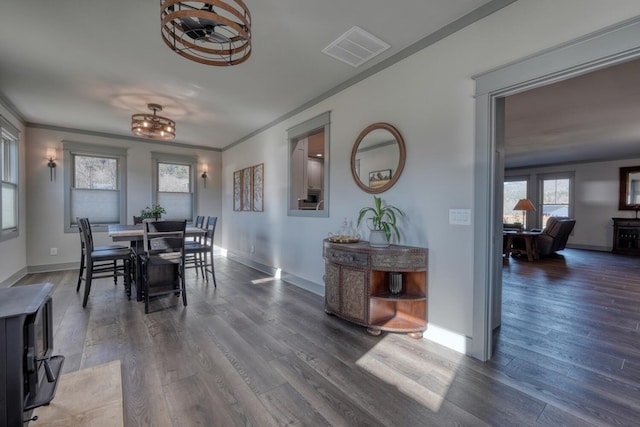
(51, 157)
(204, 174)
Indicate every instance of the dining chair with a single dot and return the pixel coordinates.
(137, 220)
(200, 252)
(102, 263)
(199, 221)
(163, 260)
(191, 258)
(112, 265)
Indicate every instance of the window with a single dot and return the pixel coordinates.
(309, 168)
(95, 185)
(174, 188)
(514, 190)
(556, 196)
(9, 173)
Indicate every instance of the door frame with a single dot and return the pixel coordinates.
(610, 46)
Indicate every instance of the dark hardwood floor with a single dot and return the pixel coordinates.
(257, 351)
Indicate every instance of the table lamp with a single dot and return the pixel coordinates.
(524, 205)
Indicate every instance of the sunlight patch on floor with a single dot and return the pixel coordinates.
(409, 370)
(276, 276)
(263, 280)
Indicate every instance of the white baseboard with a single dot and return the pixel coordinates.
(447, 338)
(53, 267)
(275, 272)
(9, 281)
(271, 271)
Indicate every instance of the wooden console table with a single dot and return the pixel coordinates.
(357, 286)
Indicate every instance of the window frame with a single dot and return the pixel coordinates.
(70, 150)
(191, 161)
(554, 176)
(10, 133)
(518, 178)
(294, 134)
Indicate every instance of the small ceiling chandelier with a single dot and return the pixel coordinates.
(212, 32)
(153, 126)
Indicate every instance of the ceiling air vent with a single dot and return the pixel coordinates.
(355, 47)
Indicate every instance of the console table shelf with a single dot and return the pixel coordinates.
(393, 297)
(357, 280)
(399, 322)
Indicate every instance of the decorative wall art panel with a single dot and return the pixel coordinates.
(258, 187)
(237, 191)
(248, 189)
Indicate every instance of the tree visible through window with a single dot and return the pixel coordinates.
(555, 198)
(175, 189)
(94, 185)
(174, 178)
(95, 173)
(94, 192)
(513, 191)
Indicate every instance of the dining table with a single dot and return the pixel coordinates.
(135, 235)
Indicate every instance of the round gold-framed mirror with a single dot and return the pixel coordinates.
(377, 158)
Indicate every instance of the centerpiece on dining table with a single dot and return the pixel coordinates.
(154, 212)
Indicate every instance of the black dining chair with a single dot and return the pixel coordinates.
(200, 252)
(102, 263)
(113, 265)
(199, 221)
(191, 258)
(137, 220)
(163, 260)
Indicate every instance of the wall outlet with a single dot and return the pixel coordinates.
(252, 249)
(53, 251)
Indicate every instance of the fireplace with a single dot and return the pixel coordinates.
(31, 372)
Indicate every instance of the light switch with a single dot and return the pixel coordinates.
(460, 216)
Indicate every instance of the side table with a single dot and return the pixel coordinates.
(530, 239)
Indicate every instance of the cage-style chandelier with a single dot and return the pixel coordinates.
(213, 32)
(153, 126)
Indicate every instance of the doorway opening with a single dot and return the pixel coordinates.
(600, 50)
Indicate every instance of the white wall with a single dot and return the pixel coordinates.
(13, 252)
(45, 204)
(596, 188)
(429, 98)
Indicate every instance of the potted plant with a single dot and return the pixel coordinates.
(154, 212)
(383, 221)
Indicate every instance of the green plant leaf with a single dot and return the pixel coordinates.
(363, 212)
(378, 203)
(382, 218)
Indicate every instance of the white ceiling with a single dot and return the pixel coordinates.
(592, 117)
(90, 65)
